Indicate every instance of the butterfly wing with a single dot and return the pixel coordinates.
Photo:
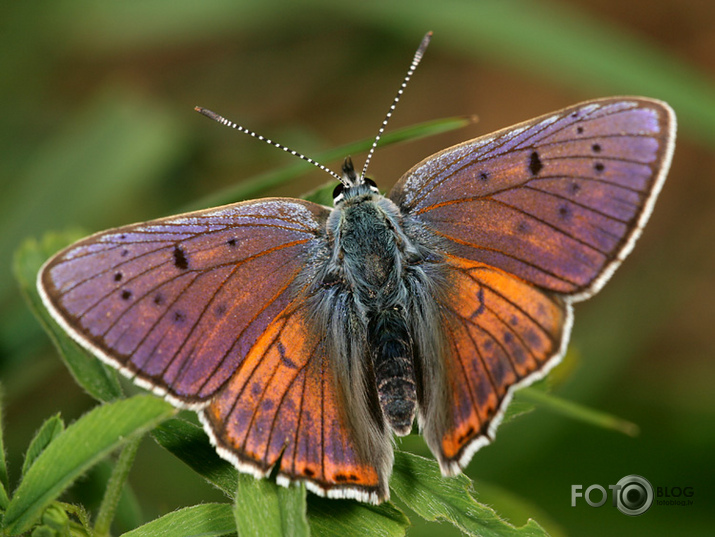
(529, 219)
(206, 308)
(285, 408)
(177, 303)
(557, 201)
(500, 333)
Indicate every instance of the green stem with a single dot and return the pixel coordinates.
(108, 508)
(576, 411)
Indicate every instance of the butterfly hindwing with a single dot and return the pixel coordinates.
(557, 201)
(500, 333)
(285, 408)
(176, 303)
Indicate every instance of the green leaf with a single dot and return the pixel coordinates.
(341, 518)
(263, 508)
(420, 485)
(54, 521)
(517, 407)
(98, 380)
(189, 443)
(82, 444)
(252, 188)
(205, 520)
(4, 498)
(577, 411)
(512, 506)
(50, 430)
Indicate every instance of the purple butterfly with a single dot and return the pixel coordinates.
(306, 336)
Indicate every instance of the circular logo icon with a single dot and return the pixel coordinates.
(634, 496)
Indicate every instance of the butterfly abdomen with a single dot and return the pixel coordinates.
(393, 366)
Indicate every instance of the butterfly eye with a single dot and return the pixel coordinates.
(338, 191)
(373, 186)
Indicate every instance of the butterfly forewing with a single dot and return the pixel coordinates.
(557, 201)
(159, 300)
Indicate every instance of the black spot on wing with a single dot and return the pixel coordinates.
(284, 358)
(480, 309)
(180, 260)
(535, 164)
(523, 227)
(467, 434)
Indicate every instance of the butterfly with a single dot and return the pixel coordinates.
(306, 336)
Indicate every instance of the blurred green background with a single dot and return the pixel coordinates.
(98, 130)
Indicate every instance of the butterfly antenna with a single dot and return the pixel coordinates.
(415, 62)
(213, 115)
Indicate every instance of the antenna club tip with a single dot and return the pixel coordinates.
(208, 113)
(423, 45)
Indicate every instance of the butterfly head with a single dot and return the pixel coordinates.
(352, 184)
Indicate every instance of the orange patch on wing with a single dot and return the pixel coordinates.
(501, 330)
(284, 404)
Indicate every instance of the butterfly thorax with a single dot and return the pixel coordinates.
(368, 256)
